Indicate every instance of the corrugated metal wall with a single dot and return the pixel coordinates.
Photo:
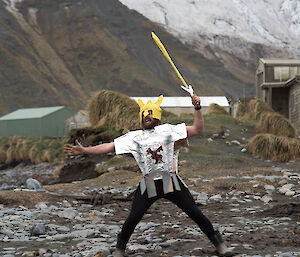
(50, 125)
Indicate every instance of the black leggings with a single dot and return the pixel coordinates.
(183, 199)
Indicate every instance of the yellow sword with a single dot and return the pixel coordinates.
(165, 53)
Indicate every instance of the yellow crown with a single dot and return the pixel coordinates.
(154, 107)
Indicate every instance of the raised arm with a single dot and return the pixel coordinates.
(78, 149)
(198, 125)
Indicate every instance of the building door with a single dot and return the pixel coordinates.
(280, 100)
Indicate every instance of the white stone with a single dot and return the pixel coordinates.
(137, 247)
(33, 184)
(266, 199)
(215, 197)
(289, 193)
(285, 188)
(269, 188)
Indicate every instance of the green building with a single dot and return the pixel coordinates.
(36, 122)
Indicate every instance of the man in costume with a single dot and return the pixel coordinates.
(155, 149)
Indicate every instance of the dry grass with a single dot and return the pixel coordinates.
(253, 110)
(114, 110)
(274, 148)
(241, 110)
(216, 109)
(276, 124)
(30, 150)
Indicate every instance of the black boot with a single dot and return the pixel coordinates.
(218, 242)
(120, 248)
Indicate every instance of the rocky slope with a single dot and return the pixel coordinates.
(227, 30)
(60, 52)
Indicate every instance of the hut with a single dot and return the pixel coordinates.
(35, 122)
(78, 120)
(278, 84)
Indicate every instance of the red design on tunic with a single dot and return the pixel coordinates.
(154, 154)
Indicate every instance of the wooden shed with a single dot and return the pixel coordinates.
(78, 120)
(35, 122)
(278, 84)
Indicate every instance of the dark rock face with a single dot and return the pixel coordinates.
(60, 52)
(81, 170)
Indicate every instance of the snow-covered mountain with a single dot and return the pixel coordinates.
(236, 26)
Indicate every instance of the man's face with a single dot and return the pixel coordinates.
(148, 121)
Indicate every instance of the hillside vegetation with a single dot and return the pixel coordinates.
(62, 52)
(277, 138)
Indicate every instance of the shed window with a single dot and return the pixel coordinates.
(283, 73)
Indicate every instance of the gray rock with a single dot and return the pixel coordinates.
(147, 226)
(33, 184)
(202, 197)
(137, 247)
(38, 229)
(287, 254)
(41, 206)
(69, 213)
(82, 233)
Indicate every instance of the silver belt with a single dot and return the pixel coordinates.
(169, 179)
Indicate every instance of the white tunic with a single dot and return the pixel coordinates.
(153, 150)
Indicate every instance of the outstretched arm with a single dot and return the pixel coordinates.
(198, 125)
(78, 149)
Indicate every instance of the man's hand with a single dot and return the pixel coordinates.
(196, 101)
(74, 149)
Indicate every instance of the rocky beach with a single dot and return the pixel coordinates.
(260, 221)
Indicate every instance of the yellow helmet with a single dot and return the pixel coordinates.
(154, 107)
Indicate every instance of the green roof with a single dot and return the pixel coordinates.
(31, 113)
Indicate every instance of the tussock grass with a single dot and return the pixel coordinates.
(30, 150)
(93, 135)
(253, 110)
(277, 141)
(114, 110)
(241, 110)
(274, 148)
(216, 109)
(276, 124)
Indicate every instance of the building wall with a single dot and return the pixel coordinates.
(53, 125)
(182, 110)
(79, 120)
(26, 127)
(50, 125)
(294, 103)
